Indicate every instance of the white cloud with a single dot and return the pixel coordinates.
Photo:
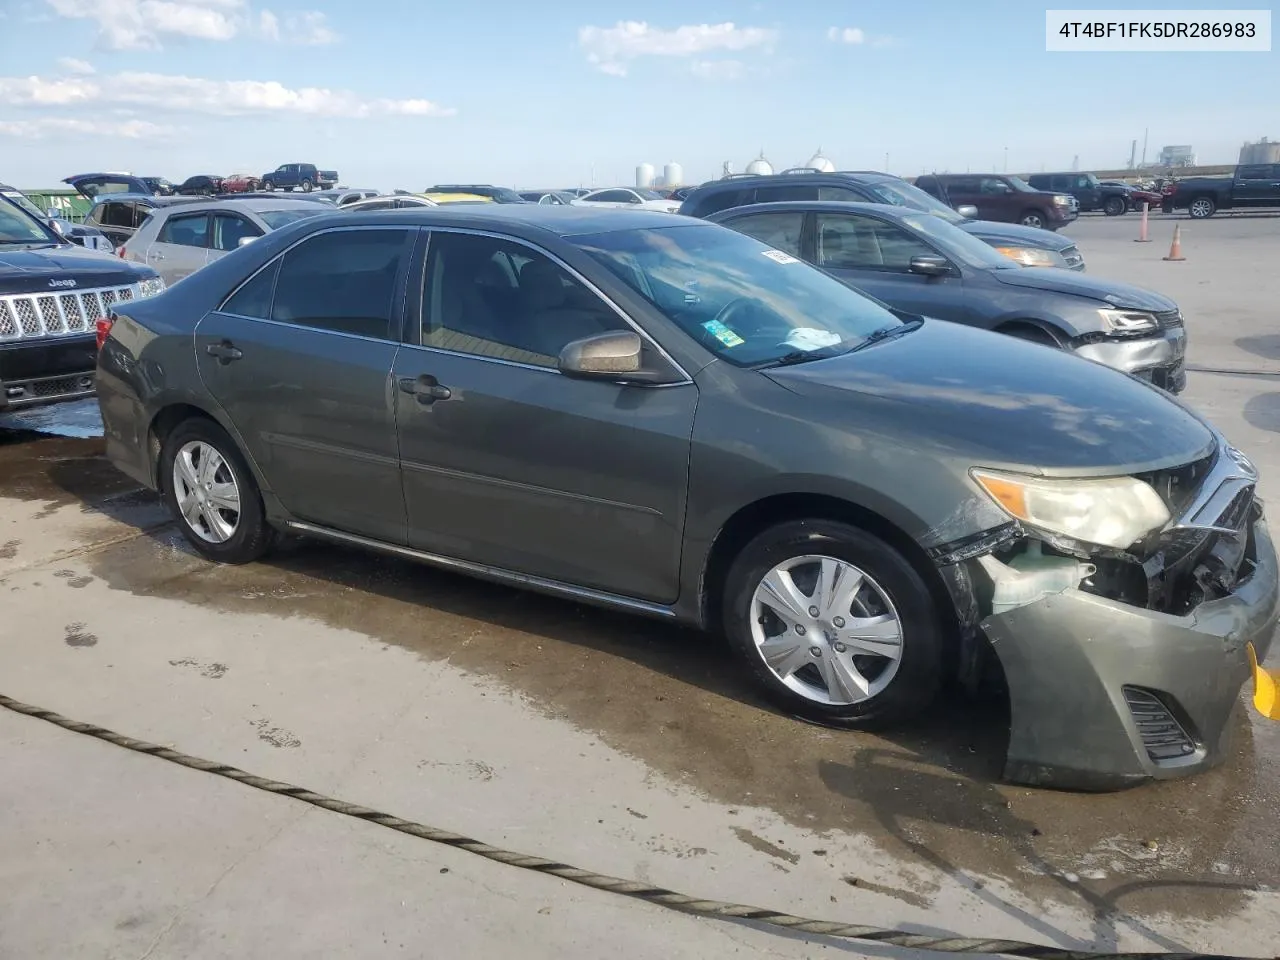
(610, 49)
(718, 69)
(46, 127)
(146, 24)
(846, 35)
(72, 65)
(160, 91)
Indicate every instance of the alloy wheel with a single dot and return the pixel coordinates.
(826, 630)
(1200, 208)
(206, 492)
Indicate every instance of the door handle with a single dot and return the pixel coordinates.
(224, 351)
(426, 388)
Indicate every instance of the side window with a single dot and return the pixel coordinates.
(865, 243)
(139, 212)
(253, 299)
(779, 194)
(716, 200)
(228, 230)
(495, 298)
(614, 196)
(343, 281)
(993, 186)
(113, 214)
(965, 185)
(1257, 172)
(779, 230)
(191, 230)
(1083, 183)
(840, 193)
(930, 186)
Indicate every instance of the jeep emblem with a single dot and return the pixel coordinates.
(62, 283)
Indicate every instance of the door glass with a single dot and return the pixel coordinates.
(138, 212)
(253, 299)
(865, 243)
(779, 230)
(343, 281)
(494, 298)
(113, 214)
(1254, 173)
(228, 231)
(839, 193)
(781, 194)
(187, 231)
(993, 186)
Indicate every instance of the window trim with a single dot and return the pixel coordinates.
(230, 215)
(395, 336)
(896, 271)
(415, 304)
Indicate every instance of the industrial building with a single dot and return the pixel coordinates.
(1264, 151)
(1177, 156)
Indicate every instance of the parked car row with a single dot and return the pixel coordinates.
(710, 423)
(288, 176)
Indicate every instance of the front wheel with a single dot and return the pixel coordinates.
(1202, 207)
(1114, 206)
(268, 186)
(1032, 218)
(212, 493)
(834, 624)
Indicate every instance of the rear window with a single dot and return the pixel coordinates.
(709, 201)
(276, 219)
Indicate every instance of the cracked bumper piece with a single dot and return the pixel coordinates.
(1103, 694)
(1160, 359)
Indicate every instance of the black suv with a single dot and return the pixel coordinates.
(51, 295)
(1090, 192)
(1026, 245)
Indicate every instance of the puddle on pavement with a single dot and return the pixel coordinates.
(674, 699)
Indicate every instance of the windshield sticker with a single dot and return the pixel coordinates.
(811, 338)
(723, 333)
(779, 257)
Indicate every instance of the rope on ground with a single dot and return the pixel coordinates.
(587, 878)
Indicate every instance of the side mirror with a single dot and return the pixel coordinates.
(608, 356)
(930, 266)
(245, 241)
(968, 211)
(55, 224)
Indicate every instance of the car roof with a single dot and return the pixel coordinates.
(254, 204)
(564, 221)
(150, 198)
(885, 211)
(739, 181)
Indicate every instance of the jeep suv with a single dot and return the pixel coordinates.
(52, 293)
(1024, 245)
(1003, 198)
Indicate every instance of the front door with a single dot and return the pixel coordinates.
(181, 247)
(229, 229)
(300, 360)
(506, 462)
(1257, 185)
(874, 255)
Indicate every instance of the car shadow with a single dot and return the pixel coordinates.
(1266, 345)
(1263, 411)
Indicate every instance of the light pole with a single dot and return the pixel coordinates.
(1006, 159)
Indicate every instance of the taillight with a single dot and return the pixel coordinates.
(103, 326)
(120, 251)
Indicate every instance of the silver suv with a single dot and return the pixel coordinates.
(178, 240)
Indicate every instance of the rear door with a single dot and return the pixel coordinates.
(181, 246)
(300, 358)
(228, 230)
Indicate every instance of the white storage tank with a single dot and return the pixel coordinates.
(672, 175)
(760, 166)
(819, 162)
(644, 175)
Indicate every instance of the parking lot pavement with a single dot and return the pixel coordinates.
(591, 738)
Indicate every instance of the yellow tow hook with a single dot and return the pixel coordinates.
(1266, 688)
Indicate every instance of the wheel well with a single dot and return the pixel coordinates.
(753, 519)
(162, 425)
(1030, 330)
(1036, 210)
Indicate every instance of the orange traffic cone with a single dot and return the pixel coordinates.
(1175, 248)
(1142, 233)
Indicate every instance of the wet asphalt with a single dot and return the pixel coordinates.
(1199, 849)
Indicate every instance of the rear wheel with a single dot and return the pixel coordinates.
(212, 493)
(306, 186)
(834, 624)
(1032, 218)
(1114, 206)
(1202, 207)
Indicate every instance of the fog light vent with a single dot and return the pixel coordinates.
(1162, 734)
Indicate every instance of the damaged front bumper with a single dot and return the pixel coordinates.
(1104, 694)
(1158, 359)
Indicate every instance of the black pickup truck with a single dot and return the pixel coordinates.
(52, 293)
(1253, 186)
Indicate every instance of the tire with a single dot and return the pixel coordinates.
(1201, 208)
(895, 686)
(1033, 218)
(1114, 206)
(306, 186)
(213, 532)
(268, 186)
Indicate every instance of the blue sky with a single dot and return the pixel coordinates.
(406, 94)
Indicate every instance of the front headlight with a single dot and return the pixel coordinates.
(1062, 201)
(1128, 321)
(1032, 256)
(150, 287)
(1112, 512)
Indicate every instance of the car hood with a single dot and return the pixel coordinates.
(30, 271)
(1016, 233)
(994, 400)
(1123, 295)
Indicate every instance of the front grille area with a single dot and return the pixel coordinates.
(1168, 319)
(1162, 735)
(31, 316)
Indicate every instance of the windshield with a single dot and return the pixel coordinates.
(275, 219)
(503, 195)
(902, 194)
(1019, 184)
(650, 195)
(16, 227)
(741, 299)
(21, 200)
(959, 245)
